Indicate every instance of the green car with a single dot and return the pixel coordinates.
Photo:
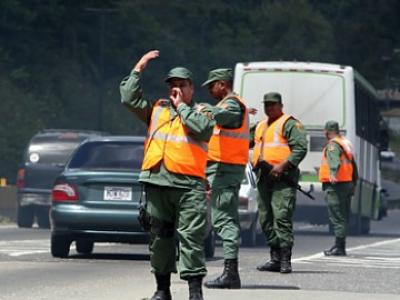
(97, 196)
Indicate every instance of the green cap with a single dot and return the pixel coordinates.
(179, 72)
(332, 126)
(219, 74)
(273, 97)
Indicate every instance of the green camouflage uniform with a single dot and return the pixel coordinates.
(225, 180)
(338, 195)
(277, 201)
(173, 198)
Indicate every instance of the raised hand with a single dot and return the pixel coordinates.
(141, 64)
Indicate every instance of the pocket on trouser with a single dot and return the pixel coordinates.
(283, 203)
(226, 199)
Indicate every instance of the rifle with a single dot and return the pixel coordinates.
(266, 169)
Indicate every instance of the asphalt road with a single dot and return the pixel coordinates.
(370, 271)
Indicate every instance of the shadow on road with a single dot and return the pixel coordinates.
(269, 287)
(111, 256)
(315, 272)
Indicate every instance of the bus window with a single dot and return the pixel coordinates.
(317, 143)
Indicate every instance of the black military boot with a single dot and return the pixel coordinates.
(339, 249)
(195, 291)
(163, 283)
(229, 279)
(274, 264)
(286, 256)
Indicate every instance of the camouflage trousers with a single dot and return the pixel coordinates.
(276, 205)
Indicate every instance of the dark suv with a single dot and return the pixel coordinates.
(44, 159)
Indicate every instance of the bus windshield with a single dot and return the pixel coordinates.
(308, 96)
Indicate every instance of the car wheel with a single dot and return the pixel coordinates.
(42, 214)
(84, 246)
(25, 216)
(209, 245)
(249, 236)
(60, 246)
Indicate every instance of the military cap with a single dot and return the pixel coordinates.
(179, 72)
(272, 97)
(332, 126)
(219, 74)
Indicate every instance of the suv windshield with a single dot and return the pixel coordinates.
(108, 155)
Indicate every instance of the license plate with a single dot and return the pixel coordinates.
(117, 193)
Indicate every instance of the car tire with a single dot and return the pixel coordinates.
(42, 214)
(249, 236)
(84, 246)
(60, 246)
(25, 216)
(209, 245)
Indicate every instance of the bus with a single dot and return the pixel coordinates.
(314, 93)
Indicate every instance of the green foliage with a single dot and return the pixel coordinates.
(61, 61)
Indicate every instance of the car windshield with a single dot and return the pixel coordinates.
(55, 151)
(108, 155)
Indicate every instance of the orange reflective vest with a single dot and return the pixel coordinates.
(345, 171)
(168, 141)
(270, 144)
(230, 146)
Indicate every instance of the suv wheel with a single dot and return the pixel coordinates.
(25, 216)
(42, 214)
(84, 246)
(209, 245)
(60, 246)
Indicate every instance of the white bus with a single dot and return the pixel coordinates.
(315, 93)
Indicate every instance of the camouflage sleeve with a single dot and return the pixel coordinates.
(333, 152)
(295, 133)
(132, 97)
(229, 114)
(199, 124)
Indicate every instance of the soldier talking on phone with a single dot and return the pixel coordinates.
(173, 172)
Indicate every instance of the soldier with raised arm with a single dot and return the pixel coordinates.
(173, 172)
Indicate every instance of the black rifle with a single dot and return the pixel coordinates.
(266, 169)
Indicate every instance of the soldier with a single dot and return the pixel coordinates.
(280, 141)
(173, 172)
(228, 154)
(338, 174)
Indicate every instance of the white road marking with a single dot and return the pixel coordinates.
(30, 247)
(30, 252)
(383, 254)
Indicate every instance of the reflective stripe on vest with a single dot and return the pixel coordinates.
(231, 145)
(167, 140)
(345, 171)
(270, 144)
